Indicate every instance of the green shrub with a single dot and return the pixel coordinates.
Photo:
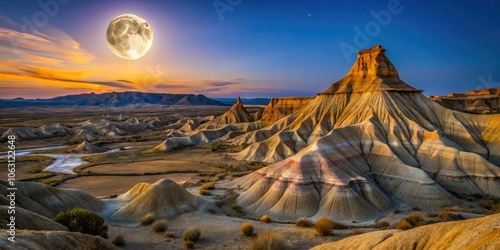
(83, 221)
(324, 226)
(265, 218)
(191, 234)
(247, 228)
(160, 226)
(268, 241)
(303, 222)
(119, 241)
(148, 219)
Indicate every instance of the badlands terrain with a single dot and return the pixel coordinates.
(371, 153)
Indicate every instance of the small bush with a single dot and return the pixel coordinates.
(324, 226)
(268, 241)
(445, 215)
(83, 221)
(403, 225)
(265, 218)
(169, 234)
(188, 244)
(415, 219)
(191, 234)
(148, 219)
(303, 222)
(119, 241)
(235, 207)
(247, 228)
(382, 224)
(160, 226)
(415, 208)
(486, 204)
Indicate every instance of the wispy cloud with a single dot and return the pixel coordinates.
(40, 46)
(221, 84)
(47, 55)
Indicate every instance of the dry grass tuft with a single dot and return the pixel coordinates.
(247, 228)
(192, 234)
(268, 241)
(446, 215)
(188, 244)
(169, 234)
(204, 189)
(304, 222)
(415, 219)
(160, 226)
(119, 241)
(205, 192)
(265, 218)
(148, 219)
(403, 225)
(324, 226)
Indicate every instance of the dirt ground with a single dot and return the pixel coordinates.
(115, 173)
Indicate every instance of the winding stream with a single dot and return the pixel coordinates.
(63, 163)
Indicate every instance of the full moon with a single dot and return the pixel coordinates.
(129, 36)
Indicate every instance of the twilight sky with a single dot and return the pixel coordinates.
(228, 48)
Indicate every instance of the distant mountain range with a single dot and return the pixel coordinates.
(250, 101)
(115, 99)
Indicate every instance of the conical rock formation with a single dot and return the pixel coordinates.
(367, 142)
(165, 199)
(234, 122)
(85, 148)
(236, 114)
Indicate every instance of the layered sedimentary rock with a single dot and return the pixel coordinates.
(366, 143)
(48, 201)
(482, 233)
(28, 220)
(236, 114)
(43, 132)
(234, 122)
(85, 148)
(483, 101)
(282, 107)
(26, 239)
(165, 199)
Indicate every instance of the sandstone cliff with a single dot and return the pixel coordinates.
(483, 101)
(282, 107)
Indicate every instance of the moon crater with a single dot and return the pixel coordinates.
(129, 36)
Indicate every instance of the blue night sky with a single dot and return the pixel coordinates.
(254, 48)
